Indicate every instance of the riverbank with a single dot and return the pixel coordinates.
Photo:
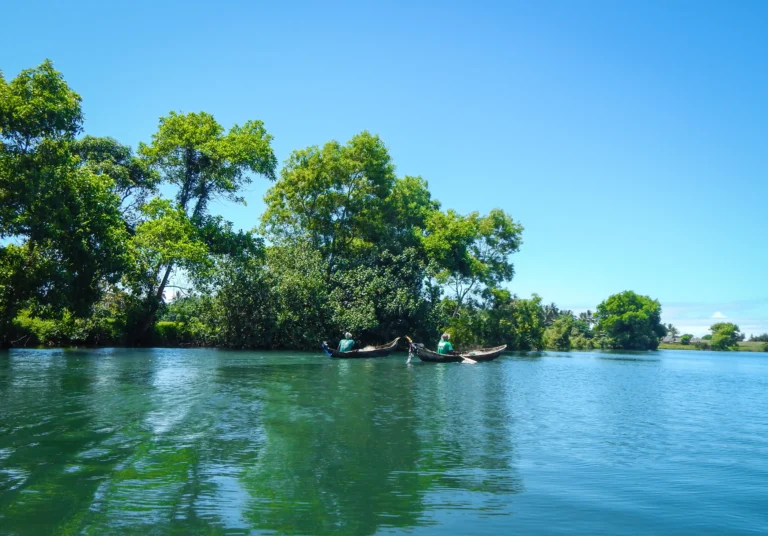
(743, 347)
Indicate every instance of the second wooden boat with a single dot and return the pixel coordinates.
(483, 354)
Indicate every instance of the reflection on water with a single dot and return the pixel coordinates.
(205, 441)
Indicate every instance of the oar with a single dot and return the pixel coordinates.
(410, 349)
(468, 360)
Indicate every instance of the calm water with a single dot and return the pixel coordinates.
(217, 442)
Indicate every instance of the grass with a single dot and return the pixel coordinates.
(743, 346)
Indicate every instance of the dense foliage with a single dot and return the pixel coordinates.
(630, 321)
(101, 245)
(725, 336)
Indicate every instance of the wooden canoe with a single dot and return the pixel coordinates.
(483, 354)
(377, 351)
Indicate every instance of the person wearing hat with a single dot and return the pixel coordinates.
(346, 344)
(445, 346)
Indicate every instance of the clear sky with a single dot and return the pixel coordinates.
(629, 138)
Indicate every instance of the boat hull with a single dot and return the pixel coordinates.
(379, 351)
(485, 354)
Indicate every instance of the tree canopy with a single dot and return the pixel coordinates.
(631, 321)
(193, 153)
(725, 336)
(63, 231)
(103, 245)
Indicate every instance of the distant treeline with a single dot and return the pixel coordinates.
(93, 254)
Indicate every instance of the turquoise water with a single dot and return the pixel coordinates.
(217, 442)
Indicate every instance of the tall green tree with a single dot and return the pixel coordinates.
(471, 253)
(558, 335)
(408, 208)
(134, 181)
(61, 223)
(386, 297)
(501, 318)
(630, 321)
(335, 196)
(725, 336)
(193, 152)
(551, 313)
(297, 274)
(345, 203)
(672, 331)
(587, 318)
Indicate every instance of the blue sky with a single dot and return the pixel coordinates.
(630, 139)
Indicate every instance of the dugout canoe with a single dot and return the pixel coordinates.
(483, 354)
(376, 351)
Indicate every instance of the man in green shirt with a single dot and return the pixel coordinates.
(346, 344)
(444, 346)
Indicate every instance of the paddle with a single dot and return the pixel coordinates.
(410, 350)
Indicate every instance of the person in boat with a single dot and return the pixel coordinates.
(445, 346)
(346, 344)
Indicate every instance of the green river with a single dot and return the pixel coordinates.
(188, 441)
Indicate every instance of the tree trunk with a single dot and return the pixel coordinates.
(154, 305)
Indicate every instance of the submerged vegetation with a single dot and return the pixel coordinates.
(95, 252)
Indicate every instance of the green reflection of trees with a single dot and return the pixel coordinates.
(467, 434)
(134, 444)
(341, 452)
(55, 443)
(357, 447)
(156, 487)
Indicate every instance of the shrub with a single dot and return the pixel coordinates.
(170, 334)
(581, 342)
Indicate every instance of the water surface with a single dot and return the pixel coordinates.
(217, 442)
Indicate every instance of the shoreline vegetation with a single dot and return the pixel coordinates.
(743, 346)
(104, 246)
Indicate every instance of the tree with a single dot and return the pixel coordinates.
(672, 331)
(134, 181)
(63, 234)
(335, 196)
(686, 339)
(725, 336)
(631, 321)
(587, 318)
(192, 152)
(297, 275)
(470, 253)
(502, 318)
(408, 207)
(551, 313)
(558, 335)
(759, 338)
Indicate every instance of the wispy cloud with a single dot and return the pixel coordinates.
(696, 318)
